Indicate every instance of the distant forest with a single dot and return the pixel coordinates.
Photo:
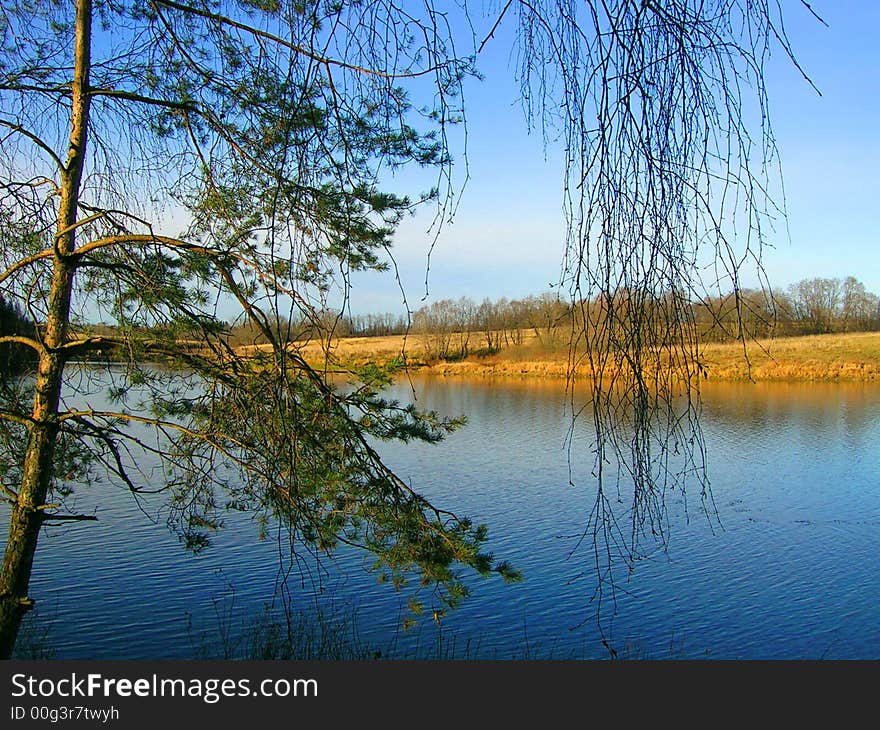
(811, 306)
(459, 326)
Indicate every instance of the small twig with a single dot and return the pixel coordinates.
(814, 13)
(495, 26)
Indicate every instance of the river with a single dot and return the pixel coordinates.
(788, 570)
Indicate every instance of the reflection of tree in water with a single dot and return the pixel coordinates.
(855, 406)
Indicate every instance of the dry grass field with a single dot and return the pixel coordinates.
(844, 357)
(853, 357)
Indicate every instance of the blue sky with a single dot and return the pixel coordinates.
(507, 236)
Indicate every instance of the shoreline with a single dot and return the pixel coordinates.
(853, 357)
(834, 358)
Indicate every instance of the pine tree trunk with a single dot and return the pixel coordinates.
(27, 512)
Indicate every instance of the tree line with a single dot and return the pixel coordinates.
(456, 328)
(809, 307)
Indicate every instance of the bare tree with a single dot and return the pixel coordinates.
(859, 307)
(816, 303)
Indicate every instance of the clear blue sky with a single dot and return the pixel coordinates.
(507, 237)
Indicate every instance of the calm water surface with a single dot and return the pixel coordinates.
(791, 572)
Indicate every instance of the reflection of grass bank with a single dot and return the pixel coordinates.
(35, 637)
(333, 634)
(321, 634)
(834, 357)
(333, 631)
(273, 635)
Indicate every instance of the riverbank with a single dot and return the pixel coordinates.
(853, 357)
